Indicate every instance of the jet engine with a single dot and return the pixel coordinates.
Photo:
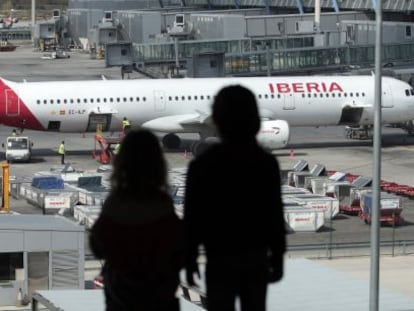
(273, 134)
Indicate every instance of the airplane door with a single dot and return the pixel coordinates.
(159, 100)
(12, 103)
(387, 98)
(289, 102)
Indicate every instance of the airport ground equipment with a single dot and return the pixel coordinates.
(104, 148)
(390, 208)
(18, 148)
(358, 132)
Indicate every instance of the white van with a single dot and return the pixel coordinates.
(18, 148)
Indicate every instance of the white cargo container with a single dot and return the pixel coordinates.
(329, 206)
(303, 219)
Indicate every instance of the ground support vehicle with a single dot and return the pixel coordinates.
(18, 148)
(390, 208)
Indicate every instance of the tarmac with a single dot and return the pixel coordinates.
(324, 145)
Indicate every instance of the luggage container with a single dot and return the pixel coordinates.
(15, 184)
(289, 190)
(390, 208)
(329, 206)
(303, 219)
(352, 206)
(59, 202)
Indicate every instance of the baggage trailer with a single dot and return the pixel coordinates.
(390, 208)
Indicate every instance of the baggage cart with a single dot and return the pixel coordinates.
(390, 208)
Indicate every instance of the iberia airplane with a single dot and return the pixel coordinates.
(174, 106)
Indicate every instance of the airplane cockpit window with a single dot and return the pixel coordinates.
(407, 93)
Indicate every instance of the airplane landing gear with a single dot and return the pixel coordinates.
(171, 141)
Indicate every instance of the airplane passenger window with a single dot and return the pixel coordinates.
(363, 94)
(91, 100)
(278, 95)
(327, 95)
(118, 99)
(58, 101)
(266, 96)
(104, 99)
(144, 99)
(351, 94)
(315, 95)
(345, 94)
(333, 94)
(339, 95)
(169, 98)
(272, 96)
(208, 96)
(137, 99)
(183, 97)
(45, 101)
(111, 99)
(71, 101)
(85, 100)
(201, 97)
(321, 95)
(407, 92)
(78, 100)
(189, 97)
(309, 95)
(260, 96)
(38, 101)
(125, 99)
(98, 100)
(176, 97)
(357, 94)
(131, 99)
(195, 97)
(51, 101)
(412, 91)
(65, 101)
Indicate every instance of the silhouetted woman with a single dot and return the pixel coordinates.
(137, 233)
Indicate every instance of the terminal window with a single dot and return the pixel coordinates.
(9, 262)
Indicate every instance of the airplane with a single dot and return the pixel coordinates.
(7, 22)
(173, 106)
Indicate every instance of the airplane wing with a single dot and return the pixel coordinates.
(179, 123)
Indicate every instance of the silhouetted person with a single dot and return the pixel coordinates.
(233, 208)
(138, 233)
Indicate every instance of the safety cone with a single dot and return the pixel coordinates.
(292, 153)
(19, 300)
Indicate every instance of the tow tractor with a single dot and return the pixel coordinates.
(104, 150)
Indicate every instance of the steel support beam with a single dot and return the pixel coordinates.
(299, 4)
(335, 6)
(374, 4)
(236, 4)
(267, 6)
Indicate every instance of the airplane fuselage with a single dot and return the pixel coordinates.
(77, 106)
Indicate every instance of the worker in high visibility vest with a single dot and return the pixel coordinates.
(116, 149)
(61, 151)
(125, 125)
